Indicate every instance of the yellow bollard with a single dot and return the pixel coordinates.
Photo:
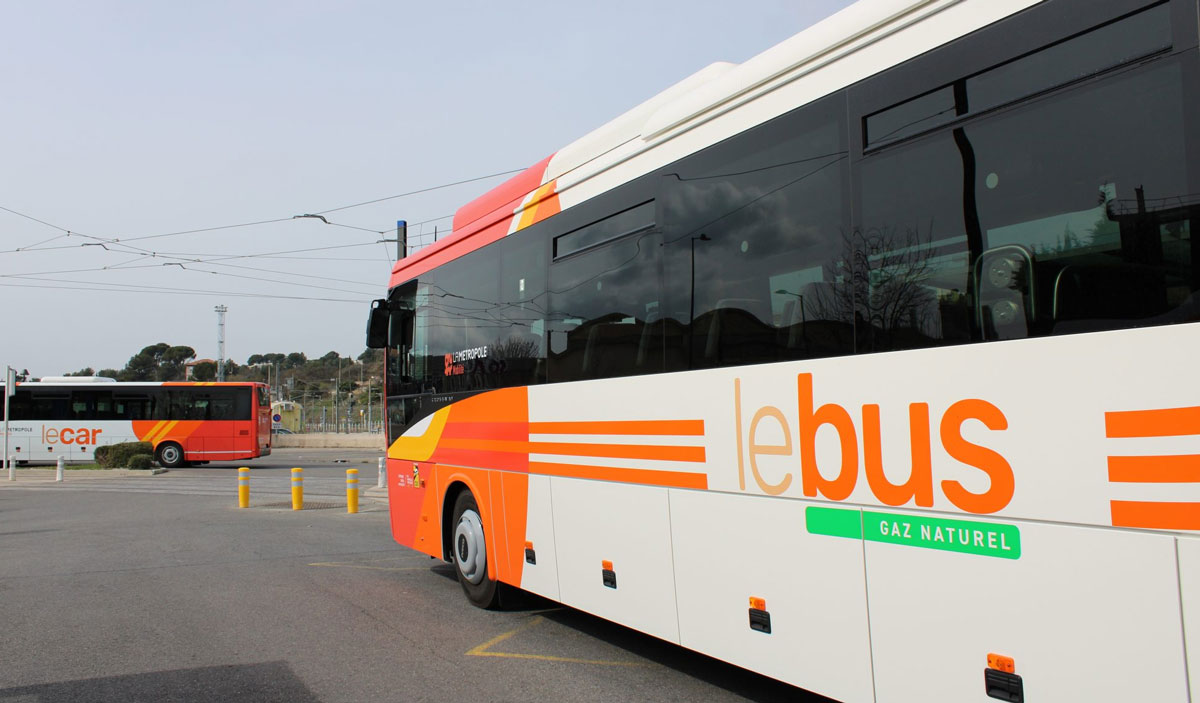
(297, 489)
(352, 491)
(244, 487)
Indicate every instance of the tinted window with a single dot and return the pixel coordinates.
(1069, 213)
(757, 243)
(134, 405)
(205, 404)
(611, 227)
(1112, 45)
(911, 260)
(605, 311)
(1134, 37)
(1085, 210)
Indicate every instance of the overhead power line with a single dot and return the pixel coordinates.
(125, 240)
(134, 288)
(422, 190)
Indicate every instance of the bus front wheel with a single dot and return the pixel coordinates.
(470, 553)
(170, 455)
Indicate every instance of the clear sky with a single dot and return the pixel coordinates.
(138, 120)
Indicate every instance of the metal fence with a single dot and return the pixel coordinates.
(342, 427)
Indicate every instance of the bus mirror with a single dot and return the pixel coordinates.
(377, 325)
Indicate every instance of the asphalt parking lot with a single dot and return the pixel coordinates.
(158, 588)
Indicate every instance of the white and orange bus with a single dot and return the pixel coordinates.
(187, 423)
(863, 364)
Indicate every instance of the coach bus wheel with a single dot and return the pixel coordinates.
(170, 455)
(470, 553)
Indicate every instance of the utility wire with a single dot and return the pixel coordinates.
(265, 280)
(205, 229)
(181, 291)
(417, 192)
(118, 240)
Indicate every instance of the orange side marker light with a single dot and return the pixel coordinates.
(758, 603)
(1000, 662)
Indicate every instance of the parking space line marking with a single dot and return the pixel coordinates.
(484, 650)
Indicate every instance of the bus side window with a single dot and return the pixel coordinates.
(1105, 212)
(601, 300)
(753, 228)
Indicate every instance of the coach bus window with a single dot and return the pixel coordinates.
(518, 350)
(132, 407)
(910, 256)
(404, 365)
(604, 311)
(460, 305)
(1134, 37)
(611, 227)
(1093, 184)
(45, 405)
(756, 232)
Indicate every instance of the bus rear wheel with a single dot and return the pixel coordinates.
(170, 455)
(469, 547)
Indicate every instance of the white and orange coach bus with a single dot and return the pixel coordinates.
(187, 423)
(869, 364)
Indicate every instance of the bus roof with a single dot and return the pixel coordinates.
(546, 187)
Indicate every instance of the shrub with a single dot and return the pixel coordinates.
(118, 455)
(141, 462)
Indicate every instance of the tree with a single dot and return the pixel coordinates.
(173, 359)
(143, 366)
(86, 371)
(157, 362)
(204, 371)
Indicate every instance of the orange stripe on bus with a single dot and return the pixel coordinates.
(1184, 468)
(648, 477)
(610, 451)
(149, 436)
(1168, 422)
(694, 428)
(161, 432)
(620, 451)
(512, 431)
(1159, 516)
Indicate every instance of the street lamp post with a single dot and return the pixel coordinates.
(336, 382)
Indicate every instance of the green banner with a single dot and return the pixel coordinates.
(965, 536)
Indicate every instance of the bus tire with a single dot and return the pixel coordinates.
(170, 455)
(469, 548)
